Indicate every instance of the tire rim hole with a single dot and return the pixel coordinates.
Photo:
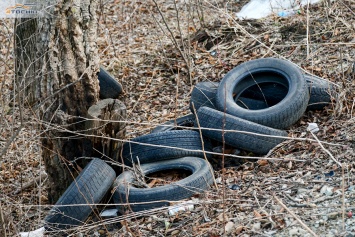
(261, 96)
(187, 123)
(164, 177)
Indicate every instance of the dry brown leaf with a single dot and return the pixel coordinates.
(257, 215)
(262, 162)
(239, 229)
(152, 183)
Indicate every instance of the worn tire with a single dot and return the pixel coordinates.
(320, 93)
(166, 145)
(109, 87)
(176, 124)
(199, 181)
(266, 70)
(203, 94)
(88, 188)
(214, 119)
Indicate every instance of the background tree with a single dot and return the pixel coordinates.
(57, 64)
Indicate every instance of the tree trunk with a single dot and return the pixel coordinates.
(107, 118)
(25, 67)
(57, 64)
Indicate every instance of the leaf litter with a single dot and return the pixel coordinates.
(273, 196)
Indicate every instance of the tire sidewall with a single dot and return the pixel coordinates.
(181, 121)
(199, 180)
(203, 94)
(290, 73)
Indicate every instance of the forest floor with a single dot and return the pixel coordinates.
(305, 187)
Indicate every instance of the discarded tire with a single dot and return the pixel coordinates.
(88, 188)
(176, 124)
(138, 199)
(164, 146)
(257, 72)
(211, 122)
(203, 94)
(266, 95)
(320, 93)
(109, 87)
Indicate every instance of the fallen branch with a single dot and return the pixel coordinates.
(294, 215)
(2, 223)
(31, 183)
(328, 152)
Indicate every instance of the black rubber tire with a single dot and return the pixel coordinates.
(266, 70)
(200, 180)
(164, 144)
(109, 87)
(184, 121)
(210, 118)
(203, 94)
(88, 188)
(320, 93)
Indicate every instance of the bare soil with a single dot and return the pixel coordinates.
(304, 187)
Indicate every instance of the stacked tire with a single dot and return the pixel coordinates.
(255, 102)
(250, 109)
(163, 150)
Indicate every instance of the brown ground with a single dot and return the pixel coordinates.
(277, 197)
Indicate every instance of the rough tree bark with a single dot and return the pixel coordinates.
(57, 64)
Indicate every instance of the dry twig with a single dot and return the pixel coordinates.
(295, 216)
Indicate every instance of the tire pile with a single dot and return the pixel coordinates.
(253, 104)
(250, 109)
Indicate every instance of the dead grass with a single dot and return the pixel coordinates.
(136, 47)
